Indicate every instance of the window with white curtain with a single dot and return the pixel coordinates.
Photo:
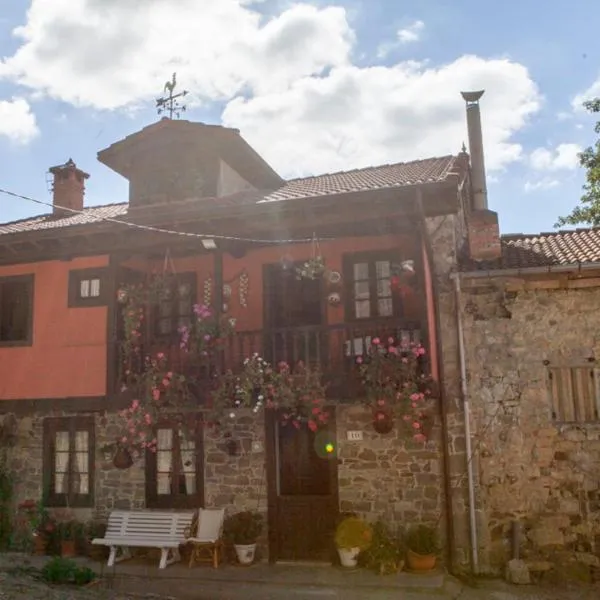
(174, 472)
(69, 461)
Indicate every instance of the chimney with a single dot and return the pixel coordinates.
(68, 187)
(482, 223)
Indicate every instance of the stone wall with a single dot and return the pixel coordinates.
(544, 475)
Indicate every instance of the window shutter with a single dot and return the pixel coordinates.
(561, 391)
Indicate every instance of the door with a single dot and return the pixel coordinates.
(302, 491)
(293, 317)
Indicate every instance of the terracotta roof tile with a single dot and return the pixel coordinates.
(520, 251)
(371, 178)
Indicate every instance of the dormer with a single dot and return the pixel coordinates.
(175, 160)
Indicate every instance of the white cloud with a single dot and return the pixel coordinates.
(541, 184)
(17, 122)
(286, 81)
(589, 94)
(357, 117)
(412, 33)
(563, 157)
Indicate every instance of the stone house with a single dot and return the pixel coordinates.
(512, 435)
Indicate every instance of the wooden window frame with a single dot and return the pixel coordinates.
(29, 279)
(567, 398)
(189, 277)
(180, 501)
(52, 425)
(371, 257)
(76, 276)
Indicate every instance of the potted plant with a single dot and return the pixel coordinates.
(68, 532)
(352, 536)
(422, 546)
(385, 554)
(96, 529)
(242, 530)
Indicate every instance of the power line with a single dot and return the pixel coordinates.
(162, 230)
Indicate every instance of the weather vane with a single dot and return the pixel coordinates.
(171, 103)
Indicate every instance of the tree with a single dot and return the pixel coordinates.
(588, 212)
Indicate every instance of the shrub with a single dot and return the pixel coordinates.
(63, 571)
(422, 540)
(243, 528)
(385, 552)
(353, 532)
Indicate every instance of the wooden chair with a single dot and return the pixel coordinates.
(207, 537)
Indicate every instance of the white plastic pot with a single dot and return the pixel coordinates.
(349, 556)
(245, 553)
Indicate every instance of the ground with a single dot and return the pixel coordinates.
(18, 581)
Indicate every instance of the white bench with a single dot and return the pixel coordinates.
(145, 529)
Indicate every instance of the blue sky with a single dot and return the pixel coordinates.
(314, 87)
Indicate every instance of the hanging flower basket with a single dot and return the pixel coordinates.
(123, 459)
(313, 268)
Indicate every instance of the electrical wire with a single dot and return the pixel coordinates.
(166, 231)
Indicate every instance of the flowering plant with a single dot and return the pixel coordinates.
(392, 373)
(299, 393)
(206, 332)
(312, 268)
(37, 517)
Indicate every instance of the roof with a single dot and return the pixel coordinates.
(566, 247)
(397, 175)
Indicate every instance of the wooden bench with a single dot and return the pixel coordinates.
(145, 529)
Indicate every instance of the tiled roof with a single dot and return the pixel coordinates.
(358, 180)
(520, 251)
(372, 178)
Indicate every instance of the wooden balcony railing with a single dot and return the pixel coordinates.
(334, 348)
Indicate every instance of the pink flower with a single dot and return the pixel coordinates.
(414, 405)
(416, 397)
(359, 360)
(380, 402)
(160, 355)
(124, 440)
(405, 360)
(407, 417)
(416, 425)
(390, 340)
(316, 410)
(296, 424)
(312, 425)
(165, 382)
(132, 430)
(380, 416)
(170, 374)
(148, 419)
(419, 437)
(156, 394)
(135, 404)
(392, 350)
(376, 341)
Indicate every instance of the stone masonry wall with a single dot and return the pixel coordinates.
(542, 474)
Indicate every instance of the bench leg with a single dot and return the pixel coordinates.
(113, 558)
(168, 556)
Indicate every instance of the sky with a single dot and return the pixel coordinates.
(314, 87)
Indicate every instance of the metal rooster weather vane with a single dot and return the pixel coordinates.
(170, 103)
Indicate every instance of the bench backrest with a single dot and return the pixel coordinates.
(148, 524)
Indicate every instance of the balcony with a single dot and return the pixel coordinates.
(334, 348)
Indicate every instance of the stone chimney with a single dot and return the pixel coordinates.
(68, 187)
(482, 223)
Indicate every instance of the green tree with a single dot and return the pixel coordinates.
(588, 211)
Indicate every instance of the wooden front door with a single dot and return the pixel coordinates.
(302, 491)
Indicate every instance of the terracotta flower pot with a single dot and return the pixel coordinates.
(67, 548)
(39, 545)
(420, 563)
(383, 422)
(123, 459)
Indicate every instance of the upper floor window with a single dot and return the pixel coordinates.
(16, 310)
(174, 473)
(69, 461)
(87, 287)
(174, 309)
(369, 286)
(574, 394)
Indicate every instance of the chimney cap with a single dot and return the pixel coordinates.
(471, 97)
(69, 165)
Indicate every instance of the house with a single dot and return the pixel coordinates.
(231, 234)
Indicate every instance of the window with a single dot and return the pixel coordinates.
(87, 287)
(174, 473)
(16, 310)
(574, 394)
(174, 310)
(369, 286)
(69, 461)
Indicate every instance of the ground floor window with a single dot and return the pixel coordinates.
(174, 473)
(69, 461)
